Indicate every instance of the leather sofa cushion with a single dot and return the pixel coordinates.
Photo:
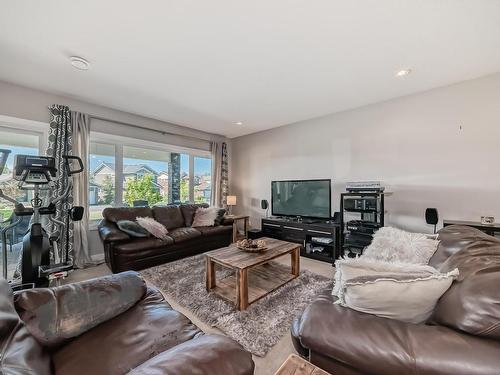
(109, 232)
(188, 211)
(20, 352)
(170, 216)
(126, 213)
(453, 239)
(138, 244)
(208, 354)
(125, 342)
(209, 231)
(55, 315)
(184, 234)
(472, 304)
(379, 346)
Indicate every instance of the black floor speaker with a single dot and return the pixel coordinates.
(431, 217)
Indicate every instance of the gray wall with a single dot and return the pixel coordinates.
(26, 103)
(435, 149)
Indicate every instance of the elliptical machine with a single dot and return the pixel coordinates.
(37, 174)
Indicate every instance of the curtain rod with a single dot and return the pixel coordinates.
(145, 128)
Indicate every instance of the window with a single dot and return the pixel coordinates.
(130, 172)
(202, 180)
(145, 176)
(19, 142)
(102, 179)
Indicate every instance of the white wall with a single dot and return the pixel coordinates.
(440, 148)
(29, 104)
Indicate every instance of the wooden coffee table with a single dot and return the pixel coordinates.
(254, 277)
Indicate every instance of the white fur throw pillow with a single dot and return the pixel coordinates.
(205, 217)
(390, 290)
(152, 226)
(396, 245)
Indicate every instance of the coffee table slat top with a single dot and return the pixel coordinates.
(236, 258)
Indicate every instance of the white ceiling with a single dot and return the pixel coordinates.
(209, 64)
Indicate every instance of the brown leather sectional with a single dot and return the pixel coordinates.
(112, 325)
(462, 336)
(123, 252)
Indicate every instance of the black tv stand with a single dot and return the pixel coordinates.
(298, 219)
(304, 233)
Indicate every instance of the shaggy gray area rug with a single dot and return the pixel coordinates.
(259, 327)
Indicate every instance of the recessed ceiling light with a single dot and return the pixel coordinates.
(79, 63)
(238, 123)
(403, 73)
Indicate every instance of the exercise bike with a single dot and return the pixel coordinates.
(39, 174)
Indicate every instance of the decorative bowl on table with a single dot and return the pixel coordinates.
(252, 246)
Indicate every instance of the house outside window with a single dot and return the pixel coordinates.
(101, 179)
(202, 179)
(127, 172)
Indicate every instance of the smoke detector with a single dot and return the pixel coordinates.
(79, 63)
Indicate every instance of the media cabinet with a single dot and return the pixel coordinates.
(303, 232)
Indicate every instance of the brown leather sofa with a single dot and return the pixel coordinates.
(112, 325)
(123, 252)
(461, 337)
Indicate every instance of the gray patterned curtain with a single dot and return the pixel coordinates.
(60, 143)
(81, 144)
(219, 174)
(224, 176)
(215, 200)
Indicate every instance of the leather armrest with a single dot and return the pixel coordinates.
(109, 232)
(227, 221)
(207, 354)
(55, 315)
(375, 345)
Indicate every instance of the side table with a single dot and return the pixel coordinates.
(295, 365)
(490, 229)
(237, 218)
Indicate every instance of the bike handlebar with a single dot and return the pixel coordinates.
(69, 158)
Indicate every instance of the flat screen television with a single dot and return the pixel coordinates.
(305, 198)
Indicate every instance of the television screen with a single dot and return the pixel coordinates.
(308, 198)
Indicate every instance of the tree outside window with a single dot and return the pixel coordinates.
(142, 188)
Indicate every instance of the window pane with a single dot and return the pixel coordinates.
(202, 179)
(145, 176)
(101, 179)
(18, 143)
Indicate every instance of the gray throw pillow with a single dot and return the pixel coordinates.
(220, 217)
(132, 228)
